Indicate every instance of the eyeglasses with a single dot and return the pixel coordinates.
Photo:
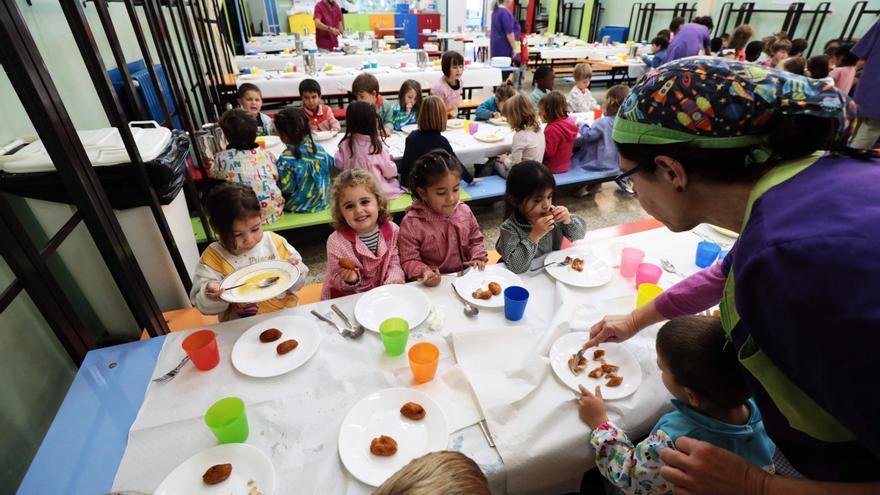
(625, 180)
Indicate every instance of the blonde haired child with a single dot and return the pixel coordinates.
(365, 238)
(432, 122)
(580, 99)
(595, 150)
(250, 99)
(446, 472)
(528, 138)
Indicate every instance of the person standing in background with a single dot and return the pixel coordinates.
(868, 49)
(502, 38)
(690, 39)
(328, 24)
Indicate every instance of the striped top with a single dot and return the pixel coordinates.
(518, 250)
(371, 239)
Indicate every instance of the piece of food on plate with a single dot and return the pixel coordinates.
(286, 346)
(614, 380)
(482, 294)
(580, 366)
(270, 335)
(577, 265)
(596, 373)
(598, 354)
(609, 368)
(347, 264)
(383, 446)
(217, 473)
(413, 411)
(494, 288)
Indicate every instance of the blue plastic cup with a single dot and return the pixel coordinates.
(515, 299)
(706, 253)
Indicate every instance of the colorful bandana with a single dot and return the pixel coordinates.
(721, 103)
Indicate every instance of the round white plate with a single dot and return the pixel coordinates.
(336, 72)
(499, 121)
(725, 232)
(392, 301)
(616, 354)
(379, 414)
(324, 135)
(409, 128)
(292, 75)
(377, 70)
(488, 137)
(455, 123)
(248, 464)
(258, 271)
(596, 272)
(475, 279)
(254, 358)
(250, 77)
(271, 141)
(410, 69)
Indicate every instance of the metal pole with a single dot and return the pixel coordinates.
(206, 55)
(191, 73)
(197, 64)
(148, 60)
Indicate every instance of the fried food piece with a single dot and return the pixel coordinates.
(270, 335)
(569, 259)
(217, 473)
(347, 264)
(579, 367)
(413, 411)
(614, 380)
(383, 446)
(609, 368)
(577, 265)
(598, 354)
(494, 288)
(596, 373)
(481, 294)
(286, 346)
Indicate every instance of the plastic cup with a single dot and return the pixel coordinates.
(648, 273)
(473, 128)
(630, 258)
(227, 420)
(647, 293)
(423, 358)
(201, 347)
(706, 253)
(597, 114)
(467, 125)
(394, 332)
(515, 300)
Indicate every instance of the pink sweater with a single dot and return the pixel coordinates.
(696, 293)
(374, 269)
(451, 97)
(558, 142)
(444, 243)
(380, 164)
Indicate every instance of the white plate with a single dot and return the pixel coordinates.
(499, 121)
(409, 68)
(248, 463)
(336, 72)
(258, 271)
(250, 77)
(324, 135)
(596, 272)
(455, 123)
(488, 136)
(392, 301)
(377, 70)
(616, 354)
(254, 358)
(725, 232)
(379, 414)
(271, 141)
(292, 75)
(475, 279)
(409, 128)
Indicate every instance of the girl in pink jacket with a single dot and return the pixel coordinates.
(361, 147)
(439, 234)
(362, 253)
(449, 87)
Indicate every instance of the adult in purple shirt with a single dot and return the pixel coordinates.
(798, 294)
(690, 39)
(504, 31)
(329, 23)
(867, 95)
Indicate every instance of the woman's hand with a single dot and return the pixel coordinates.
(541, 227)
(696, 468)
(478, 264)
(591, 408)
(612, 328)
(430, 278)
(213, 290)
(561, 214)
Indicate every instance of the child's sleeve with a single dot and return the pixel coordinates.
(696, 293)
(339, 158)
(475, 241)
(635, 469)
(336, 249)
(551, 141)
(286, 181)
(395, 272)
(387, 165)
(576, 230)
(516, 250)
(197, 296)
(334, 124)
(410, 254)
(484, 111)
(589, 134)
(287, 252)
(388, 116)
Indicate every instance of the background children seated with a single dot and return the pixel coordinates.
(559, 134)
(778, 52)
(304, 166)
(432, 121)
(528, 137)
(245, 162)
(542, 82)
(844, 71)
(595, 150)
(446, 472)
(754, 50)
(580, 99)
(366, 88)
(798, 47)
(361, 147)
(795, 65)
(742, 34)
(448, 88)
(658, 52)
(818, 68)
(494, 106)
(250, 99)
(320, 115)
(409, 100)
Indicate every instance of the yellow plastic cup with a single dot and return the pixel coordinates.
(647, 293)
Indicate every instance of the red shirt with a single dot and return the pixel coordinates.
(329, 15)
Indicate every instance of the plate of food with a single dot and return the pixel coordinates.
(581, 267)
(610, 366)
(336, 72)
(324, 135)
(223, 469)
(292, 75)
(486, 288)
(376, 70)
(488, 136)
(455, 123)
(249, 77)
(392, 301)
(254, 283)
(725, 232)
(275, 346)
(410, 68)
(409, 128)
(386, 430)
(498, 121)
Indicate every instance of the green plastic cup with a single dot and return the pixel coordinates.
(227, 420)
(394, 332)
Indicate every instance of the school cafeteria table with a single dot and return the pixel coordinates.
(264, 44)
(117, 430)
(280, 62)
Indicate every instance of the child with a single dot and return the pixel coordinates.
(445, 471)
(432, 121)
(449, 88)
(798, 47)
(528, 137)
(251, 100)
(439, 234)
(596, 150)
(409, 100)
(246, 163)
(533, 227)
(795, 65)
(320, 116)
(304, 167)
(711, 401)
(739, 40)
(580, 99)
(778, 52)
(754, 50)
(234, 214)
(658, 52)
(361, 147)
(366, 88)
(559, 134)
(543, 83)
(494, 106)
(365, 238)
(844, 71)
(818, 68)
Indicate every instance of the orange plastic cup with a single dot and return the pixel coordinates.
(597, 114)
(201, 347)
(423, 358)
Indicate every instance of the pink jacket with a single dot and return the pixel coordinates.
(322, 119)
(451, 97)
(380, 164)
(374, 269)
(444, 243)
(558, 141)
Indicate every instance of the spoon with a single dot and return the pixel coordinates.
(262, 284)
(469, 309)
(669, 267)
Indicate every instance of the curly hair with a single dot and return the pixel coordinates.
(352, 178)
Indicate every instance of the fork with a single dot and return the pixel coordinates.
(342, 331)
(356, 330)
(167, 377)
(577, 359)
(561, 263)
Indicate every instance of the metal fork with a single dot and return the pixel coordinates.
(577, 359)
(561, 263)
(342, 331)
(357, 330)
(167, 377)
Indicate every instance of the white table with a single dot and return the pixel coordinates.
(610, 54)
(281, 61)
(263, 44)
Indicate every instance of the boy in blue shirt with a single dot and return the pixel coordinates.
(658, 52)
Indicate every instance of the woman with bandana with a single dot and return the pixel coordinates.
(710, 140)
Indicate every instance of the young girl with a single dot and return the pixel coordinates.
(361, 147)
(432, 121)
(596, 150)
(739, 40)
(304, 167)
(409, 100)
(494, 106)
(245, 162)
(448, 88)
(844, 63)
(362, 253)
(439, 234)
(251, 100)
(580, 99)
(234, 214)
(533, 227)
(528, 137)
(559, 134)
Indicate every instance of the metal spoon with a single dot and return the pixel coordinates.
(262, 284)
(357, 328)
(469, 309)
(669, 267)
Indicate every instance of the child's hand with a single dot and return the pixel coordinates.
(591, 408)
(430, 277)
(246, 310)
(213, 290)
(476, 180)
(541, 227)
(478, 264)
(350, 276)
(386, 131)
(502, 158)
(496, 115)
(561, 214)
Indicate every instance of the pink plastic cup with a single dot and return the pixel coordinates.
(630, 258)
(648, 273)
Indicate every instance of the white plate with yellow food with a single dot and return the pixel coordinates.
(266, 350)
(619, 362)
(252, 472)
(502, 121)
(488, 136)
(324, 135)
(476, 286)
(252, 276)
(590, 271)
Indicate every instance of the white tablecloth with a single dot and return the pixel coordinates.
(263, 44)
(278, 62)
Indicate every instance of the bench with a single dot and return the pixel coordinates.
(468, 106)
